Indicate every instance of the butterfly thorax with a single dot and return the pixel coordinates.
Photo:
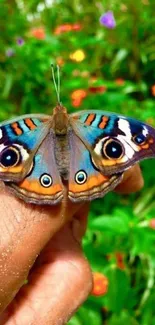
(60, 120)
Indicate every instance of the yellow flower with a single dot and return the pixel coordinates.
(77, 56)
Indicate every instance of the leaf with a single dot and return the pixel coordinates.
(75, 320)
(120, 56)
(89, 316)
(118, 290)
(124, 318)
(110, 223)
(7, 86)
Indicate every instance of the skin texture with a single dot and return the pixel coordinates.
(42, 244)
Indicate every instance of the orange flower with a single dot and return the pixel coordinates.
(152, 223)
(62, 29)
(76, 102)
(79, 94)
(77, 97)
(153, 90)
(100, 284)
(119, 81)
(60, 61)
(67, 28)
(38, 33)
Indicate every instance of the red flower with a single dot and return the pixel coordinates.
(97, 89)
(100, 284)
(153, 90)
(120, 260)
(77, 27)
(38, 33)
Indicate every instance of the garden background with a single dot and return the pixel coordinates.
(102, 67)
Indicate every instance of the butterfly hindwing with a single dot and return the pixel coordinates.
(85, 181)
(115, 142)
(43, 184)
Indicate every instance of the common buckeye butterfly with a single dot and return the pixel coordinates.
(90, 150)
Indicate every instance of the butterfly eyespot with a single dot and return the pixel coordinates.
(139, 139)
(9, 157)
(46, 180)
(113, 149)
(80, 177)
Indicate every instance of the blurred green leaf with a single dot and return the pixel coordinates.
(7, 86)
(110, 223)
(118, 290)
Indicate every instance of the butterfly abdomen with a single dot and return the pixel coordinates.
(62, 155)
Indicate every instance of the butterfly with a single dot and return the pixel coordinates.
(89, 150)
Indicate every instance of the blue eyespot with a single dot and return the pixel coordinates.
(80, 177)
(46, 180)
(113, 149)
(9, 157)
(139, 138)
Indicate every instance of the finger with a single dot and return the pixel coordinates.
(132, 181)
(24, 230)
(60, 282)
(80, 222)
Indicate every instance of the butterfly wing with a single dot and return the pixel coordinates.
(114, 142)
(43, 183)
(85, 181)
(27, 160)
(19, 141)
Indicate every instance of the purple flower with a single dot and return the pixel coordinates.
(9, 52)
(20, 41)
(108, 20)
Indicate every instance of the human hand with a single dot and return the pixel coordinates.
(33, 246)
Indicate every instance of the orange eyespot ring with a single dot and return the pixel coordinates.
(139, 139)
(113, 149)
(9, 157)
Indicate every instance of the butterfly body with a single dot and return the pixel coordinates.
(90, 150)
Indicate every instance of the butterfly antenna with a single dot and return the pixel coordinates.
(56, 84)
(58, 76)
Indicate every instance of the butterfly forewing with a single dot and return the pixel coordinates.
(115, 142)
(19, 140)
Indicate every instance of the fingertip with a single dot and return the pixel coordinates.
(133, 181)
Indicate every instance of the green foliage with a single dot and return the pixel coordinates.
(117, 74)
